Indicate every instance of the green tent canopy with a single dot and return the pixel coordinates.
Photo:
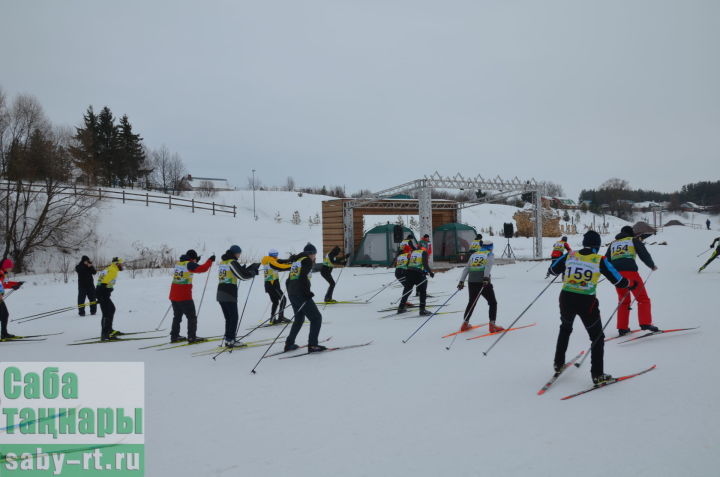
(452, 240)
(378, 247)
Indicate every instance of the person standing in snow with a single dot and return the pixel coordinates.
(181, 295)
(229, 271)
(271, 265)
(714, 254)
(560, 247)
(707, 224)
(581, 271)
(301, 299)
(621, 253)
(86, 288)
(331, 259)
(477, 271)
(6, 266)
(416, 276)
(103, 290)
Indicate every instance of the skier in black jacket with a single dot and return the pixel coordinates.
(714, 254)
(331, 259)
(86, 286)
(301, 299)
(229, 271)
(581, 271)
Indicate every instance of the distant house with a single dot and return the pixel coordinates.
(691, 207)
(200, 183)
(646, 206)
(563, 203)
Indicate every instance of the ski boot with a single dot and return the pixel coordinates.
(465, 326)
(116, 333)
(177, 339)
(291, 347)
(316, 348)
(282, 319)
(652, 328)
(495, 328)
(624, 331)
(330, 300)
(401, 310)
(109, 337)
(7, 336)
(602, 379)
(558, 368)
(196, 339)
(424, 312)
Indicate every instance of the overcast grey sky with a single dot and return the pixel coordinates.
(373, 93)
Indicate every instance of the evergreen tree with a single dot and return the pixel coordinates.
(130, 157)
(107, 147)
(85, 151)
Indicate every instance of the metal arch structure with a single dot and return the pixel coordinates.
(422, 188)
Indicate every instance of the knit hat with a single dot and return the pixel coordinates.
(273, 252)
(235, 249)
(310, 249)
(592, 240)
(487, 246)
(627, 230)
(85, 258)
(191, 255)
(7, 264)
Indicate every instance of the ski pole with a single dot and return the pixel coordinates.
(466, 317)
(431, 315)
(485, 353)
(43, 315)
(252, 371)
(383, 289)
(602, 335)
(401, 296)
(51, 312)
(374, 290)
(534, 266)
(237, 328)
(706, 251)
(202, 297)
(368, 274)
(163, 318)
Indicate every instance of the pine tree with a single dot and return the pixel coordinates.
(85, 152)
(130, 156)
(107, 146)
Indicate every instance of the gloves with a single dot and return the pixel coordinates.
(634, 285)
(212, 258)
(255, 267)
(461, 285)
(432, 275)
(486, 280)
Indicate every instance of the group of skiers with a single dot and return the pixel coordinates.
(580, 270)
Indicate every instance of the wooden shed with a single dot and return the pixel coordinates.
(443, 212)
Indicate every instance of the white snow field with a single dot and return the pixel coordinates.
(394, 409)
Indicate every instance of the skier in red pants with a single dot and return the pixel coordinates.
(621, 253)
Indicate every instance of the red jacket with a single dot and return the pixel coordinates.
(180, 292)
(4, 286)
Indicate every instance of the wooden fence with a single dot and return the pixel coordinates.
(147, 198)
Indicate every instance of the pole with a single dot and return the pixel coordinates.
(485, 353)
(252, 371)
(385, 287)
(253, 190)
(706, 251)
(375, 289)
(202, 297)
(466, 317)
(237, 328)
(534, 266)
(579, 363)
(163, 318)
(396, 301)
(433, 314)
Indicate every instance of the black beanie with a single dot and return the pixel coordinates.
(310, 249)
(85, 258)
(627, 230)
(592, 239)
(191, 255)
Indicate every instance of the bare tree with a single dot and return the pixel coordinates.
(290, 184)
(615, 184)
(257, 185)
(553, 189)
(160, 160)
(206, 189)
(177, 174)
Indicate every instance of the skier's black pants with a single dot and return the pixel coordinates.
(588, 308)
(475, 290)
(89, 293)
(187, 308)
(107, 307)
(326, 273)
(418, 280)
(304, 308)
(712, 257)
(4, 315)
(230, 311)
(277, 297)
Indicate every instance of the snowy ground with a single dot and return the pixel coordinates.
(417, 409)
